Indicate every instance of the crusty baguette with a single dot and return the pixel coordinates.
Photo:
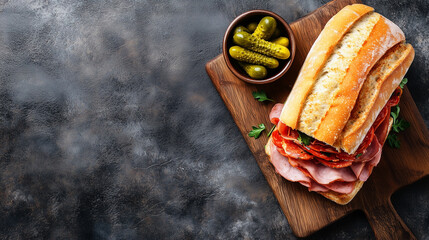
(326, 90)
(322, 48)
(381, 82)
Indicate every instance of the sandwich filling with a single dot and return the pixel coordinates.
(321, 167)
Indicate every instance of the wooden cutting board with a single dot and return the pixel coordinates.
(306, 211)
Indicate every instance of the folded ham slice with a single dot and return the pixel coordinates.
(282, 166)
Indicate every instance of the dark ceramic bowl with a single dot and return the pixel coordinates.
(256, 16)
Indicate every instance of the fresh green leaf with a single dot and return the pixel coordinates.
(393, 141)
(261, 96)
(256, 132)
(304, 139)
(271, 131)
(394, 112)
(403, 82)
(397, 126)
(360, 154)
(400, 125)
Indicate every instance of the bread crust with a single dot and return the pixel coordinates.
(383, 36)
(354, 133)
(322, 48)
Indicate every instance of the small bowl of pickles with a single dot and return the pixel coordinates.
(259, 47)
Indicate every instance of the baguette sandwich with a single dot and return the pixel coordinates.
(330, 131)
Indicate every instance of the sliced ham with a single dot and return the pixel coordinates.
(366, 171)
(282, 166)
(322, 174)
(275, 113)
(341, 187)
(314, 186)
(357, 168)
(369, 153)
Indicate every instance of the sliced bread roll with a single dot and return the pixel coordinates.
(337, 66)
(381, 82)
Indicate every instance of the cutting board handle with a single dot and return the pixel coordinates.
(386, 223)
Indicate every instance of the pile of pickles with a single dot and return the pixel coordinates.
(260, 46)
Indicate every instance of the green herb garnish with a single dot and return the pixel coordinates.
(271, 131)
(261, 96)
(393, 140)
(394, 112)
(397, 126)
(403, 82)
(304, 139)
(256, 132)
(400, 125)
(360, 154)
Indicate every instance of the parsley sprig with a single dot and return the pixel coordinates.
(393, 141)
(399, 124)
(403, 82)
(261, 96)
(256, 131)
(304, 139)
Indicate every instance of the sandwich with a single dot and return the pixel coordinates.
(330, 131)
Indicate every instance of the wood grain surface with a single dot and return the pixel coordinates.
(306, 211)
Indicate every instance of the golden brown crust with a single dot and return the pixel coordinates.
(384, 35)
(322, 48)
(388, 81)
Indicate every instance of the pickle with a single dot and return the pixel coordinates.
(245, 55)
(253, 43)
(241, 29)
(284, 41)
(254, 71)
(276, 33)
(266, 28)
(252, 26)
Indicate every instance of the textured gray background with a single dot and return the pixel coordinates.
(111, 129)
